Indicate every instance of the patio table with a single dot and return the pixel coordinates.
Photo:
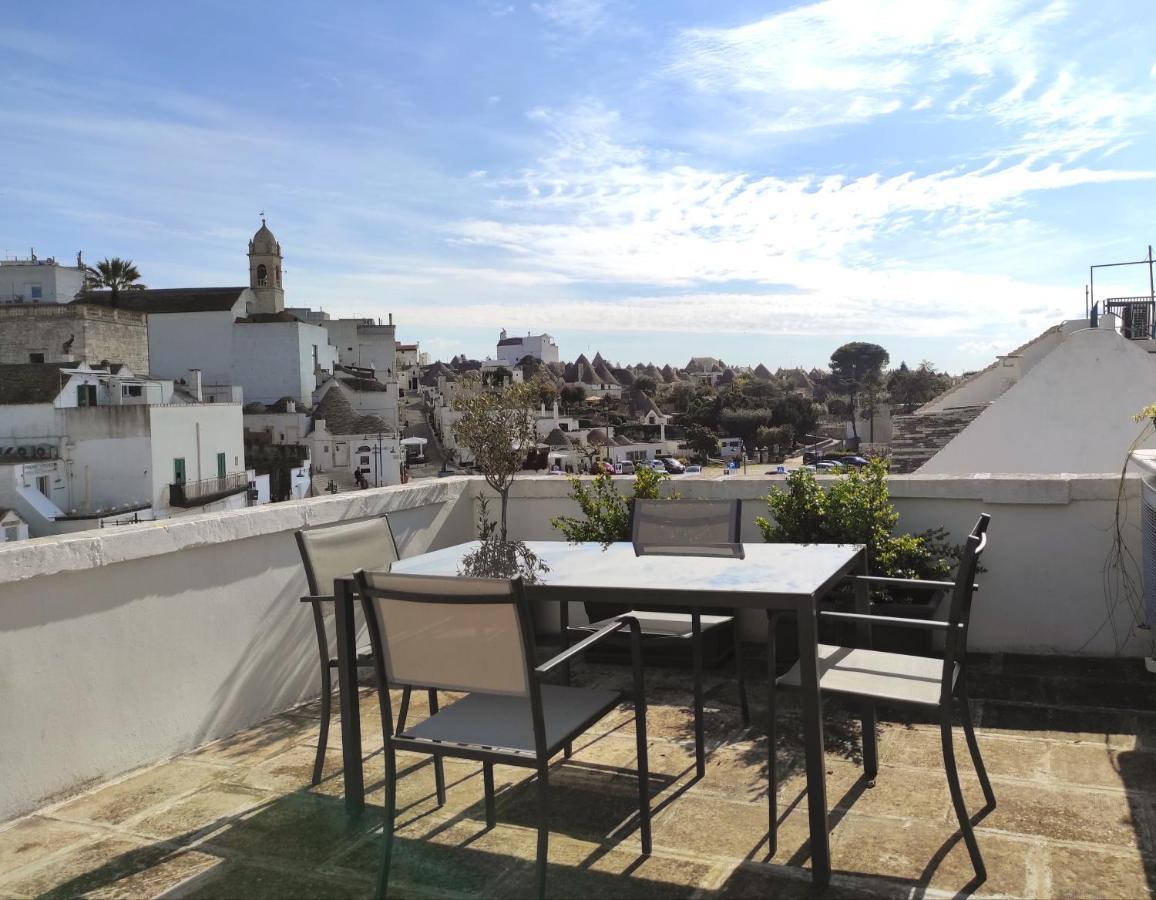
(770, 577)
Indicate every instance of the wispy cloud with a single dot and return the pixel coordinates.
(578, 17)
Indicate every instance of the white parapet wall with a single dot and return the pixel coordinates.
(128, 645)
(1044, 590)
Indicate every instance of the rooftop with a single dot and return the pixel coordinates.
(1070, 745)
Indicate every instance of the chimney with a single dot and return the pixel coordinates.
(291, 406)
(391, 318)
(195, 383)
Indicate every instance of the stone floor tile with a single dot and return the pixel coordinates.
(1079, 872)
(928, 855)
(30, 840)
(922, 748)
(113, 866)
(710, 827)
(236, 879)
(738, 771)
(905, 793)
(439, 867)
(289, 771)
(611, 873)
(302, 828)
(1114, 728)
(211, 807)
(774, 882)
(123, 800)
(254, 744)
(1061, 813)
(1095, 764)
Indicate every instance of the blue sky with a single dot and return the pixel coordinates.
(754, 181)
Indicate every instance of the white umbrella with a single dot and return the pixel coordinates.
(414, 442)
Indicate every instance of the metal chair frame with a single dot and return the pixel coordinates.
(317, 600)
(953, 683)
(644, 547)
(425, 589)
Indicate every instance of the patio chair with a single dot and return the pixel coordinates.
(477, 635)
(329, 552)
(685, 527)
(871, 676)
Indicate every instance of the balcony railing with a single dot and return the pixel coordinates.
(197, 493)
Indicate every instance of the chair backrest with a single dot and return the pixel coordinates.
(455, 634)
(959, 612)
(685, 523)
(337, 551)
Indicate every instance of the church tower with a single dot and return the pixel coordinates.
(265, 271)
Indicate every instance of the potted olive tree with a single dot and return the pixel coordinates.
(497, 424)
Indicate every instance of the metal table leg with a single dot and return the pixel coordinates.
(813, 745)
(350, 703)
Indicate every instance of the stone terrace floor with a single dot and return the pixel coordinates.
(1070, 745)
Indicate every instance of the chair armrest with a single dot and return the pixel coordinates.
(915, 584)
(581, 647)
(929, 624)
(317, 598)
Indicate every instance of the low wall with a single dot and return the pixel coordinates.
(1050, 536)
(127, 645)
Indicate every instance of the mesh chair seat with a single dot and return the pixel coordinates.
(877, 675)
(504, 722)
(663, 624)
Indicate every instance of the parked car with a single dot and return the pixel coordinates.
(673, 466)
(693, 470)
(624, 468)
(656, 465)
(856, 461)
(825, 465)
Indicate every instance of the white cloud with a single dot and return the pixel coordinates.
(600, 211)
(579, 17)
(852, 61)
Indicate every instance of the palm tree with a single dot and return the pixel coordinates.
(115, 274)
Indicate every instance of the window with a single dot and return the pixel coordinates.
(365, 460)
(220, 465)
(179, 470)
(262, 275)
(11, 533)
(43, 486)
(35, 291)
(36, 357)
(131, 390)
(86, 395)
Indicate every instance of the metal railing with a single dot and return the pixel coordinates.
(197, 493)
(1137, 316)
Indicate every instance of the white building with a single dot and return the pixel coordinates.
(1063, 403)
(12, 527)
(512, 350)
(81, 445)
(342, 439)
(36, 280)
(237, 336)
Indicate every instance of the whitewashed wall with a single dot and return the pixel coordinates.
(127, 645)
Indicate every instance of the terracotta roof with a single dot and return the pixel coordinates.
(168, 300)
(31, 382)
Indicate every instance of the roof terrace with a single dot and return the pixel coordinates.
(160, 724)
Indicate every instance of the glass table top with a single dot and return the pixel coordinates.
(782, 569)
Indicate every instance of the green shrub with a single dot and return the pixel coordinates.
(605, 511)
(856, 509)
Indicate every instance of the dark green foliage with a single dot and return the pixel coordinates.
(856, 509)
(606, 512)
(702, 443)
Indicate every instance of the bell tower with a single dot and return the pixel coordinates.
(265, 270)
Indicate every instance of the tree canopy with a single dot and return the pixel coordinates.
(116, 274)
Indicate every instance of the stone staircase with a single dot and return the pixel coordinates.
(916, 438)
